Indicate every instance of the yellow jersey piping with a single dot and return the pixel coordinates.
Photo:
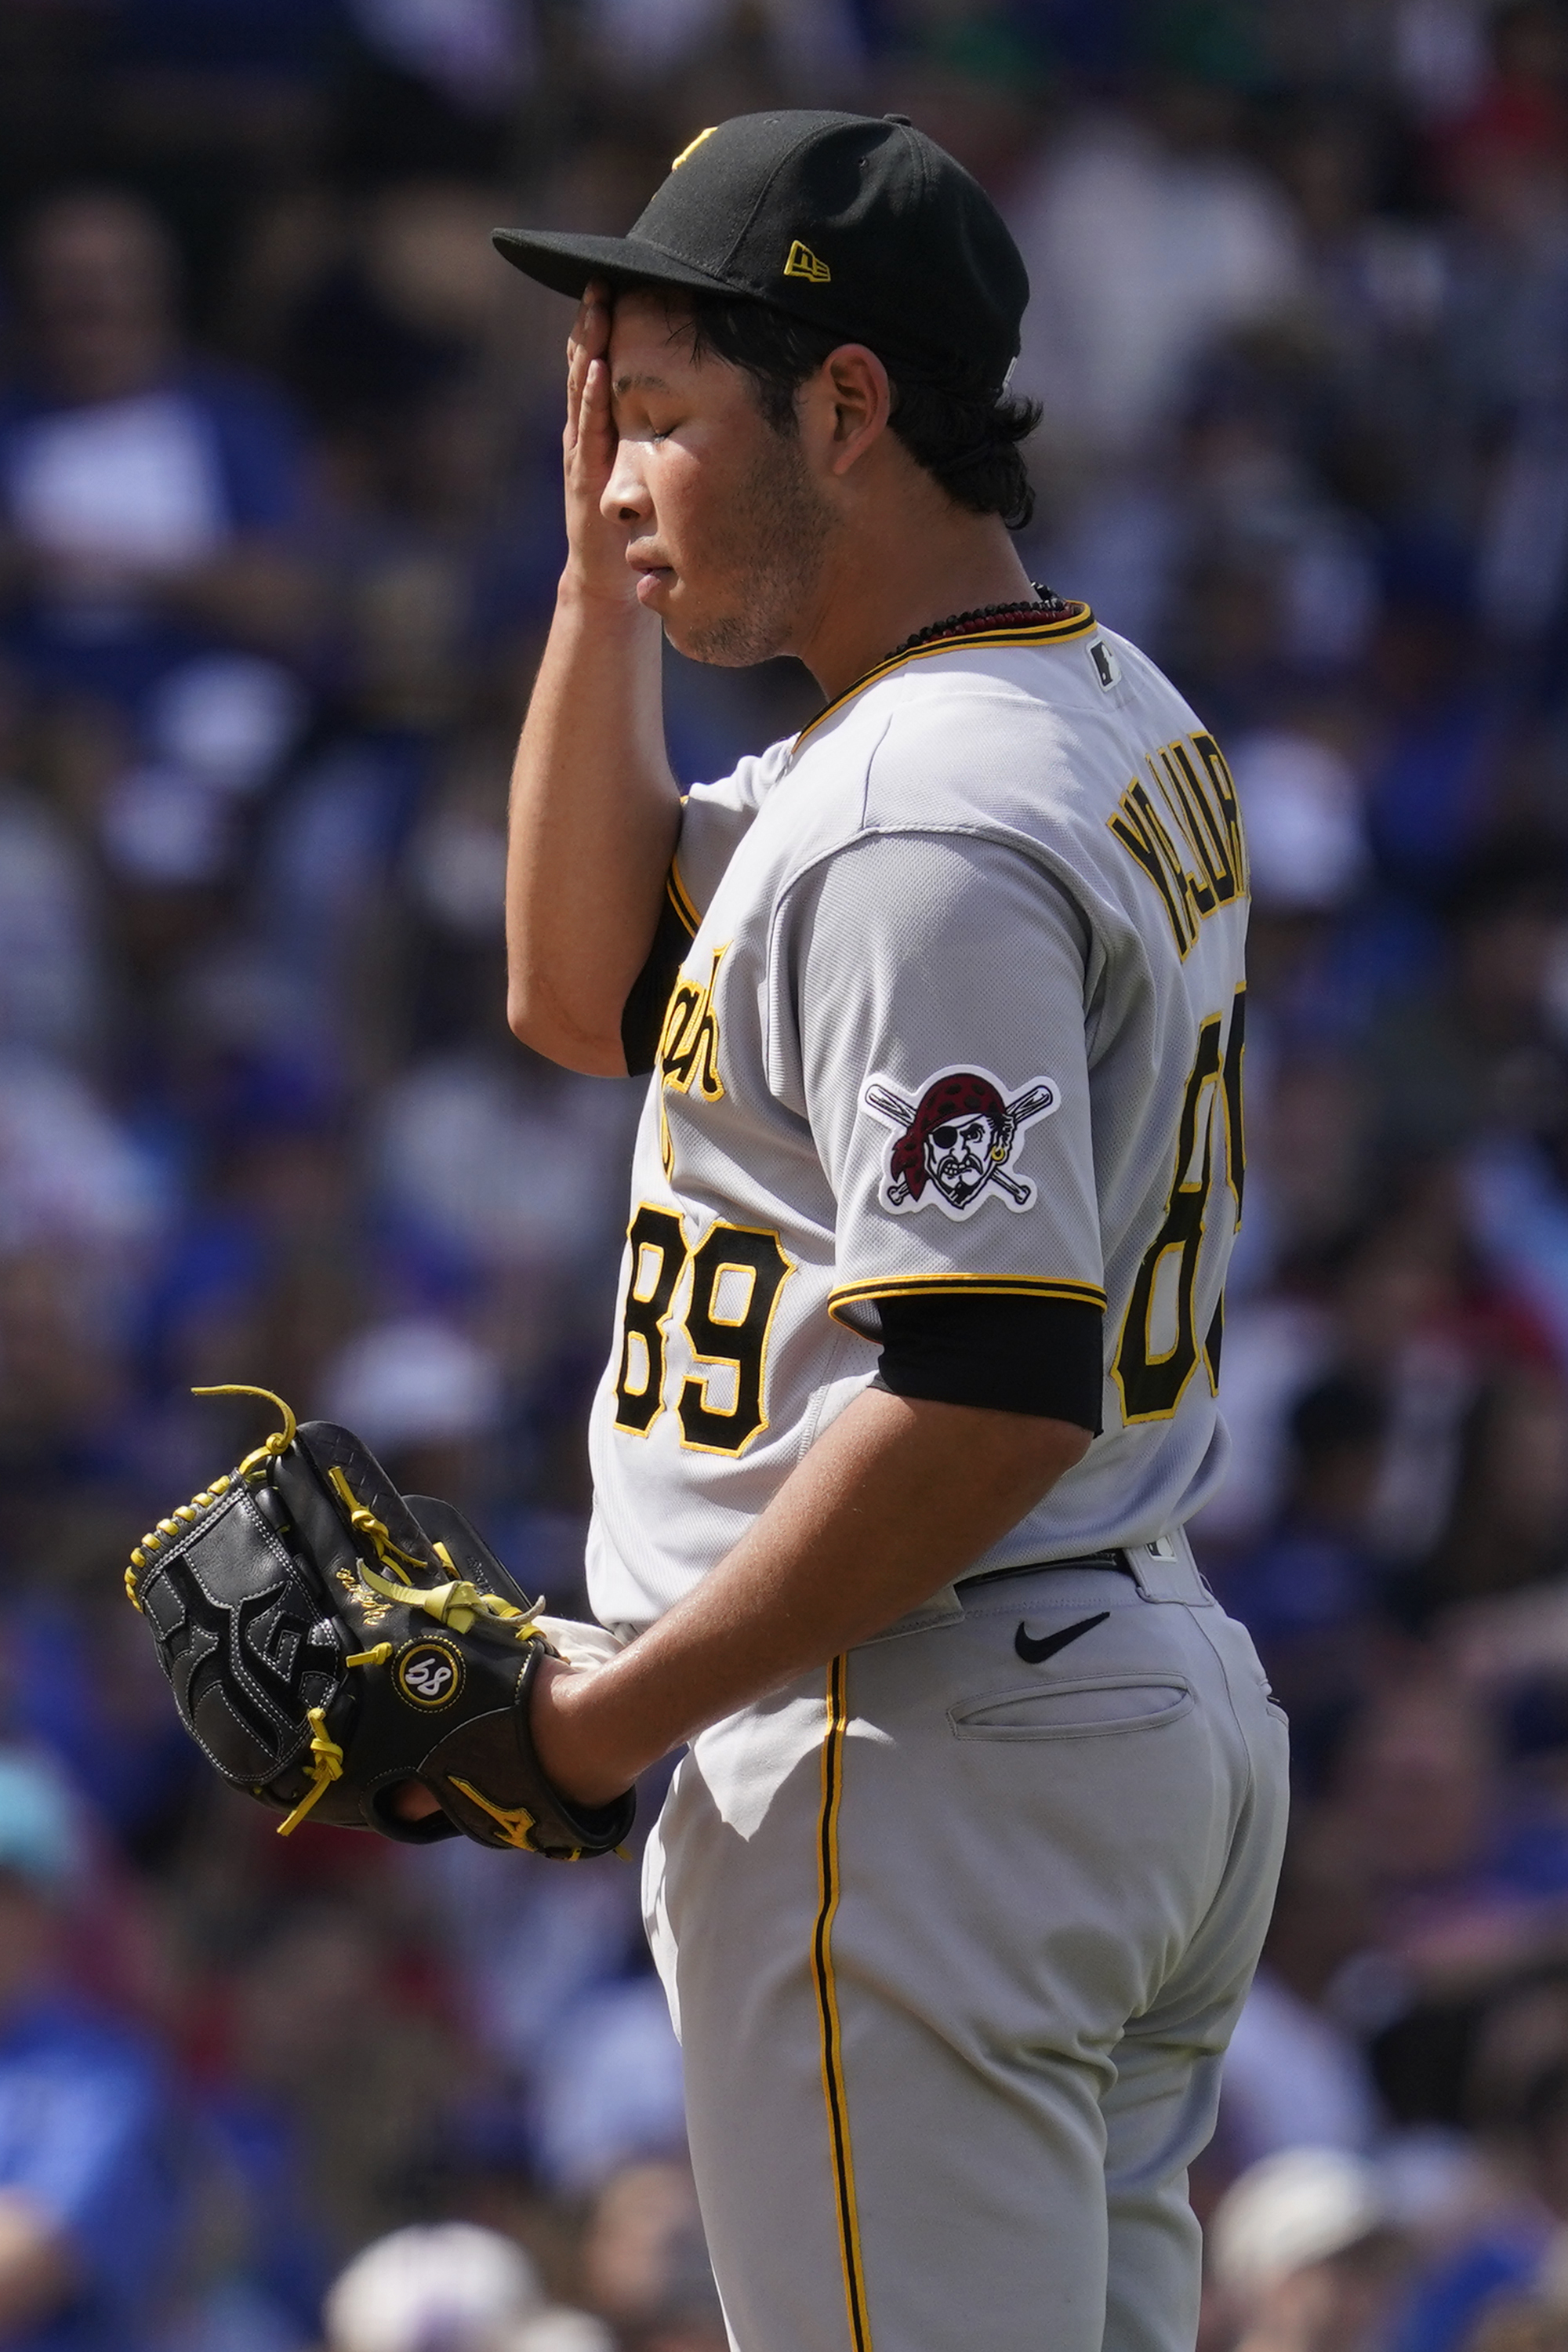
(680, 899)
(1077, 624)
(981, 1285)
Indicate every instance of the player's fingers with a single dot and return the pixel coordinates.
(577, 333)
(583, 356)
(589, 339)
(596, 316)
(576, 374)
(592, 332)
(412, 1802)
(591, 428)
(596, 427)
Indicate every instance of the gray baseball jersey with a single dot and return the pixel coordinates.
(961, 1011)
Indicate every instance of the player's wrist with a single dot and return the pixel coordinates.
(576, 1738)
(603, 593)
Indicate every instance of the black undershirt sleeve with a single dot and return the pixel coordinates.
(1038, 1355)
(642, 1016)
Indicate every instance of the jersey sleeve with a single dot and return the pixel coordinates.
(714, 819)
(929, 1003)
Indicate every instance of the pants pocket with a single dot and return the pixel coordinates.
(1094, 1708)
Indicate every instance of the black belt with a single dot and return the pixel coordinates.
(1113, 1559)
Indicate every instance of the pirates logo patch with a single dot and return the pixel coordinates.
(952, 1148)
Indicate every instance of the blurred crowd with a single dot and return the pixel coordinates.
(279, 535)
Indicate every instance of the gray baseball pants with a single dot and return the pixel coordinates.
(955, 1935)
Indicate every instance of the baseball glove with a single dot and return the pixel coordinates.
(327, 1638)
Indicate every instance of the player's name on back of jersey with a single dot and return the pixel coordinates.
(1198, 796)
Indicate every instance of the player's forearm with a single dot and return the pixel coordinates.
(895, 1499)
(594, 808)
(595, 814)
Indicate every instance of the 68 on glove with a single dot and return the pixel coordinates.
(327, 1639)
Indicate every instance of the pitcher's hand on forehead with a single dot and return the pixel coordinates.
(596, 548)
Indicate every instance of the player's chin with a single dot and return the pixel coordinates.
(723, 640)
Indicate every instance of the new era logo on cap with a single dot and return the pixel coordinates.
(804, 263)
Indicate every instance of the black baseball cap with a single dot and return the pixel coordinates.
(860, 224)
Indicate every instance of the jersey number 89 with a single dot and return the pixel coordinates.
(737, 1273)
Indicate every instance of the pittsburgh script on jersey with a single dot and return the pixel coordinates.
(1208, 871)
(689, 1047)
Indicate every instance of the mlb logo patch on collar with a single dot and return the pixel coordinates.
(1106, 668)
(952, 1148)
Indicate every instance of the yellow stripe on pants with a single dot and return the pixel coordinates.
(827, 2004)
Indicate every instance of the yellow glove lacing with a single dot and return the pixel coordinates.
(459, 1603)
(278, 1443)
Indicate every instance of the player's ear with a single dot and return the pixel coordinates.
(851, 401)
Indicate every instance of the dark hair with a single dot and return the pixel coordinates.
(967, 441)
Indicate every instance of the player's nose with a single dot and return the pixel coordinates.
(626, 494)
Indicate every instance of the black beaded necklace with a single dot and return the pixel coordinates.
(961, 624)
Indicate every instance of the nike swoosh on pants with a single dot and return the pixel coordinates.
(1035, 1654)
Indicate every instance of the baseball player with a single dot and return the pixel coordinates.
(962, 1879)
